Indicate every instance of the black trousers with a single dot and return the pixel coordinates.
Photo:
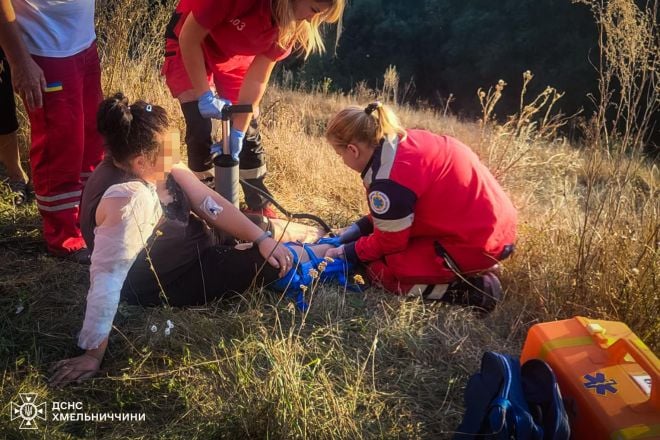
(252, 163)
(220, 272)
(8, 120)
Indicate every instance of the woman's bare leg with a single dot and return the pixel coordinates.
(287, 231)
(10, 157)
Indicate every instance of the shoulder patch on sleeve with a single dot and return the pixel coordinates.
(379, 202)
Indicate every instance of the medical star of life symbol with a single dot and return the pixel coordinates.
(600, 384)
(28, 410)
(379, 202)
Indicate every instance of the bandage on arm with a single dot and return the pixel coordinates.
(213, 208)
(117, 242)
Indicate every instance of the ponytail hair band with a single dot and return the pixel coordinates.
(147, 108)
(369, 109)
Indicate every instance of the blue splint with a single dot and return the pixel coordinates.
(301, 275)
(337, 270)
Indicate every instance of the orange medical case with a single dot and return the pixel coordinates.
(608, 377)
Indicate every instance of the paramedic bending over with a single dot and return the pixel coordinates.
(435, 210)
(234, 45)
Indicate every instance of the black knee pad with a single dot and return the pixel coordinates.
(252, 154)
(198, 137)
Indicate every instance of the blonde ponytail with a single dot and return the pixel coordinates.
(367, 125)
(302, 35)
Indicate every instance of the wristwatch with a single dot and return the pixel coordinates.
(262, 237)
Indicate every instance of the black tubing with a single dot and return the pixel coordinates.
(312, 217)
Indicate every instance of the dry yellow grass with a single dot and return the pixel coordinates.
(370, 366)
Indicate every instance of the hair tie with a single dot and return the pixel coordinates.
(148, 107)
(369, 109)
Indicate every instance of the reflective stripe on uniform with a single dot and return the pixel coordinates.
(368, 178)
(387, 154)
(57, 207)
(417, 290)
(57, 197)
(395, 225)
(428, 291)
(253, 173)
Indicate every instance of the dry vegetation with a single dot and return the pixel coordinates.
(356, 366)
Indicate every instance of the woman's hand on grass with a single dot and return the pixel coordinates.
(74, 369)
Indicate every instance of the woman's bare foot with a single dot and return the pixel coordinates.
(287, 231)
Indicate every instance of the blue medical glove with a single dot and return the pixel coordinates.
(351, 234)
(216, 148)
(236, 137)
(210, 105)
(334, 241)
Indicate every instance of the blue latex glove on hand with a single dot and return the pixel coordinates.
(236, 137)
(349, 235)
(334, 241)
(210, 105)
(216, 149)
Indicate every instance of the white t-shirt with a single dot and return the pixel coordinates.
(115, 249)
(56, 28)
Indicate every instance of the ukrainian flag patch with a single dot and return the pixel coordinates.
(54, 87)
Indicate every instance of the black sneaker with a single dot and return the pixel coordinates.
(19, 189)
(209, 181)
(265, 211)
(483, 293)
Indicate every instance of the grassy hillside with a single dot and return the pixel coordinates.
(356, 366)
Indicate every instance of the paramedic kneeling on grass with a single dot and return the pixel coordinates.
(438, 218)
(129, 207)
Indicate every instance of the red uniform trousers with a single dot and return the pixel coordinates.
(66, 146)
(227, 84)
(419, 264)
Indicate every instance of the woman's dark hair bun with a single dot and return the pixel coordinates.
(132, 129)
(114, 118)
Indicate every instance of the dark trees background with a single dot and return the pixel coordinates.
(457, 46)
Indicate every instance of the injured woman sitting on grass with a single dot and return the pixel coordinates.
(148, 248)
